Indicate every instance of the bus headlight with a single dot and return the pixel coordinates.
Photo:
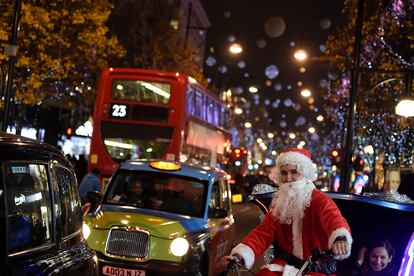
(86, 231)
(179, 247)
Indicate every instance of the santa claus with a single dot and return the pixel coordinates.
(300, 218)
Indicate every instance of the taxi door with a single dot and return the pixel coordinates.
(221, 225)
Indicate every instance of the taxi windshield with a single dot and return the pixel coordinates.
(160, 191)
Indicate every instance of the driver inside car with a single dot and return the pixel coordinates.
(300, 218)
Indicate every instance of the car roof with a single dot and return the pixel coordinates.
(186, 169)
(19, 147)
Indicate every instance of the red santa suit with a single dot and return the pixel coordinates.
(320, 224)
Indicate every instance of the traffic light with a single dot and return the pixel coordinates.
(336, 157)
(69, 132)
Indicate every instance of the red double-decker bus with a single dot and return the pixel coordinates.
(155, 114)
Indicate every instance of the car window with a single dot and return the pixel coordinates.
(165, 192)
(69, 206)
(220, 196)
(29, 216)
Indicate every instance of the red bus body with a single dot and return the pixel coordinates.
(142, 113)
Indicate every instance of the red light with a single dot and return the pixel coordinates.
(69, 131)
(361, 162)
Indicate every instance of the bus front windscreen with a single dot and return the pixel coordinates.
(125, 141)
(141, 91)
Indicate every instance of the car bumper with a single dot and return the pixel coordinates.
(150, 267)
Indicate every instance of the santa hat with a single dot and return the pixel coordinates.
(299, 157)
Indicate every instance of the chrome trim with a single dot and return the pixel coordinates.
(128, 229)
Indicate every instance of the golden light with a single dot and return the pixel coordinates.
(319, 118)
(238, 110)
(292, 136)
(306, 93)
(311, 130)
(300, 55)
(247, 125)
(299, 83)
(405, 107)
(270, 135)
(235, 48)
(253, 89)
(302, 69)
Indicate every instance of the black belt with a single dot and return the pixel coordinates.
(289, 258)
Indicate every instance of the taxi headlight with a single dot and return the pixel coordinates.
(179, 247)
(86, 231)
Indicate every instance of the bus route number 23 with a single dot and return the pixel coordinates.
(119, 110)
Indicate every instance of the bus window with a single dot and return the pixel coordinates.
(190, 101)
(141, 91)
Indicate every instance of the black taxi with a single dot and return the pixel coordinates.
(162, 218)
(40, 212)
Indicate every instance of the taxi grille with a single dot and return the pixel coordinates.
(128, 243)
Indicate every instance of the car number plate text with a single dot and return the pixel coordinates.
(115, 271)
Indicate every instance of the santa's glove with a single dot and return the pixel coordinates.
(340, 247)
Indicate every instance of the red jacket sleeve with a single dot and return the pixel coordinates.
(261, 236)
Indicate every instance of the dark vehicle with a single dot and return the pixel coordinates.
(40, 212)
(371, 217)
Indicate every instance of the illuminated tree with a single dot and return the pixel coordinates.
(62, 48)
(387, 45)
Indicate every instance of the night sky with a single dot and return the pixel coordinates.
(258, 27)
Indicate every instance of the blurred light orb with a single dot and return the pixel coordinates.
(253, 89)
(275, 104)
(325, 23)
(332, 76)
(297, 107)
(277, 86)
(274, 26)
(268, 83)
(241, 64)
(222, 69)
(246, 75)
(283, 116)
(265, 115)
(211, 61)
(311, 100)
(300, 55)
(300, 121)
(292, 44)
(261, 43)
(239, 90)
(235, 48)
(299, 83)
(289, 87)
(271, 71)
(231, 38)
(322, 48)
(302, 70)
(283, 124)
(267, 102)
(256, 97)
(323, 83)
(227, 14)
(287, 102)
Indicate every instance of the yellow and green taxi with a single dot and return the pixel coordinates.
(176, 221)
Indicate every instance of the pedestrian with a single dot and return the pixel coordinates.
(89, 183)
(375, 260)
(300, 218)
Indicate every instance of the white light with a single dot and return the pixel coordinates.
(311, 130)
(274, 152)
(86, 231)
(292, 136)
(253, 89)
(237, 163)
(300, 55)
(238, 110)
(259, 140)
(179, 247)
(319, 118)
(405, 108)
(119, 87)
(155, 89)
(118, 144)
(235, 48)
(369, 149)
(149, 150)
(247, 125)
(270, 135)
(306, 93)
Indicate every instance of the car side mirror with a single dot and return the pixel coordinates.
(217, 213)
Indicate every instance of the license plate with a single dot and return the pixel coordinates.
(116, 271)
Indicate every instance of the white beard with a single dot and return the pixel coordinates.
(291, 200)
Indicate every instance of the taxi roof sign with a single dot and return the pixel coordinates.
(164, 165)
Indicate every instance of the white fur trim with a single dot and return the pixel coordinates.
(246, 253)
(290, 271)
(337, 233)
(274, 267)
(297, 237)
